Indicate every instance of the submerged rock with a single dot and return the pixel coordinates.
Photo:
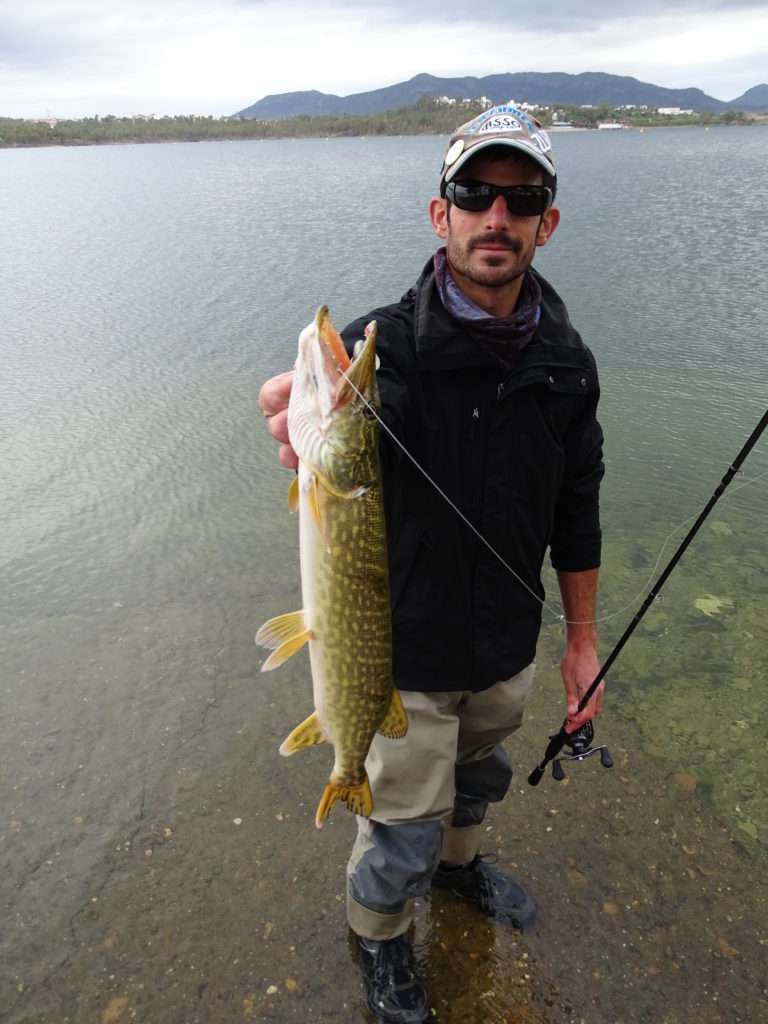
(686, 781)
(720, 528)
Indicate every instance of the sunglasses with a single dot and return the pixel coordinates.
(521, 200)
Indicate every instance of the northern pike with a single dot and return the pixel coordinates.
(346, 617)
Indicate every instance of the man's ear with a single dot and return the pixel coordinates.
(438, 214)
(547, 225)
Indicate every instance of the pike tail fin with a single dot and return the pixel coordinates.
(358, 799)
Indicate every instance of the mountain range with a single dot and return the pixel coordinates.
(550, 88)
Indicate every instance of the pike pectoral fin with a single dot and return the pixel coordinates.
(395, 724)
(357, 798)
(314, 503)
(309, 733)
(293, 495)
(285, 634)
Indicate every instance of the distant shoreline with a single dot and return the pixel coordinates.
(159, 140)
(422, 119)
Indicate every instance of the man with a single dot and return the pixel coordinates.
(487, 385)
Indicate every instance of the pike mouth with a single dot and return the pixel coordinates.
(331, 339)
(328, 380)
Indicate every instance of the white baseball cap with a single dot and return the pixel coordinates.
(505, 125)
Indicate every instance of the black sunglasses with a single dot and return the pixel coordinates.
(521, 200)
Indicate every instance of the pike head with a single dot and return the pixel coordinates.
(331, 424)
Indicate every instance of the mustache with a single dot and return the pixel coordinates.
(497, 238)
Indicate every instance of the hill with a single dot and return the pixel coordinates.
(533, 87)
(754, 99)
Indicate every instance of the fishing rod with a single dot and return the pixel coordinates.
(579, 740)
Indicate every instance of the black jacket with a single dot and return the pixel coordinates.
(518, 451)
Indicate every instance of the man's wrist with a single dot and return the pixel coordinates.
(581, 638)
(578, 591)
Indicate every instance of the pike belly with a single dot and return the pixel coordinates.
(345, 592)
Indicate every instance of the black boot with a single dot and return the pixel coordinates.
(499, 896)
(395, 991)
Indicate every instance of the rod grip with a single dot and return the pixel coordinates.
(555, 745)
(536, 776)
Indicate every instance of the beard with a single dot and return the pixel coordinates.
(489, 269)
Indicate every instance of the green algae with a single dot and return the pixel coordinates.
(711, 605)
(691, 679)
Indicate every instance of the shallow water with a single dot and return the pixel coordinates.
(147, 291)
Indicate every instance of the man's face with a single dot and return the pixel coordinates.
(492, 248)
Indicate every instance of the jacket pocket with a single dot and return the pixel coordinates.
(571, 380)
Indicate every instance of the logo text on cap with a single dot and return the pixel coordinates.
(504, 123)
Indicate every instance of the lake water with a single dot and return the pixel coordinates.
(158, 858)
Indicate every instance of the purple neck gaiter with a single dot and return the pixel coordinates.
(504, 336)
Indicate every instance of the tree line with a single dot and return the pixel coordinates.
(427, 117)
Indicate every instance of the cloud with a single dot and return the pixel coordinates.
(555, 16)
(78, 57)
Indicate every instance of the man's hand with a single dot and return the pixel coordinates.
(579, 667)
(273, 402)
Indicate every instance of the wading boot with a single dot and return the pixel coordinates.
(395, 991)
(498, 895)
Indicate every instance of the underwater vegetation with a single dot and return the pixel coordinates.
(692, 678)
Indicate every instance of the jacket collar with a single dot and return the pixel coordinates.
(442, 343)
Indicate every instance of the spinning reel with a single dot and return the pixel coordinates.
(580, 744)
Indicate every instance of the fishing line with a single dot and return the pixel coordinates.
(559, 617)
(455, 508)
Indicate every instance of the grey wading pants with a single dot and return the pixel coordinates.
(431, 790)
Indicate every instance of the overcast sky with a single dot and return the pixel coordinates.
(75, 58)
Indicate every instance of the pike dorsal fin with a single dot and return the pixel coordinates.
(395, 724)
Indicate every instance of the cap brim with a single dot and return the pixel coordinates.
(521, 147)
